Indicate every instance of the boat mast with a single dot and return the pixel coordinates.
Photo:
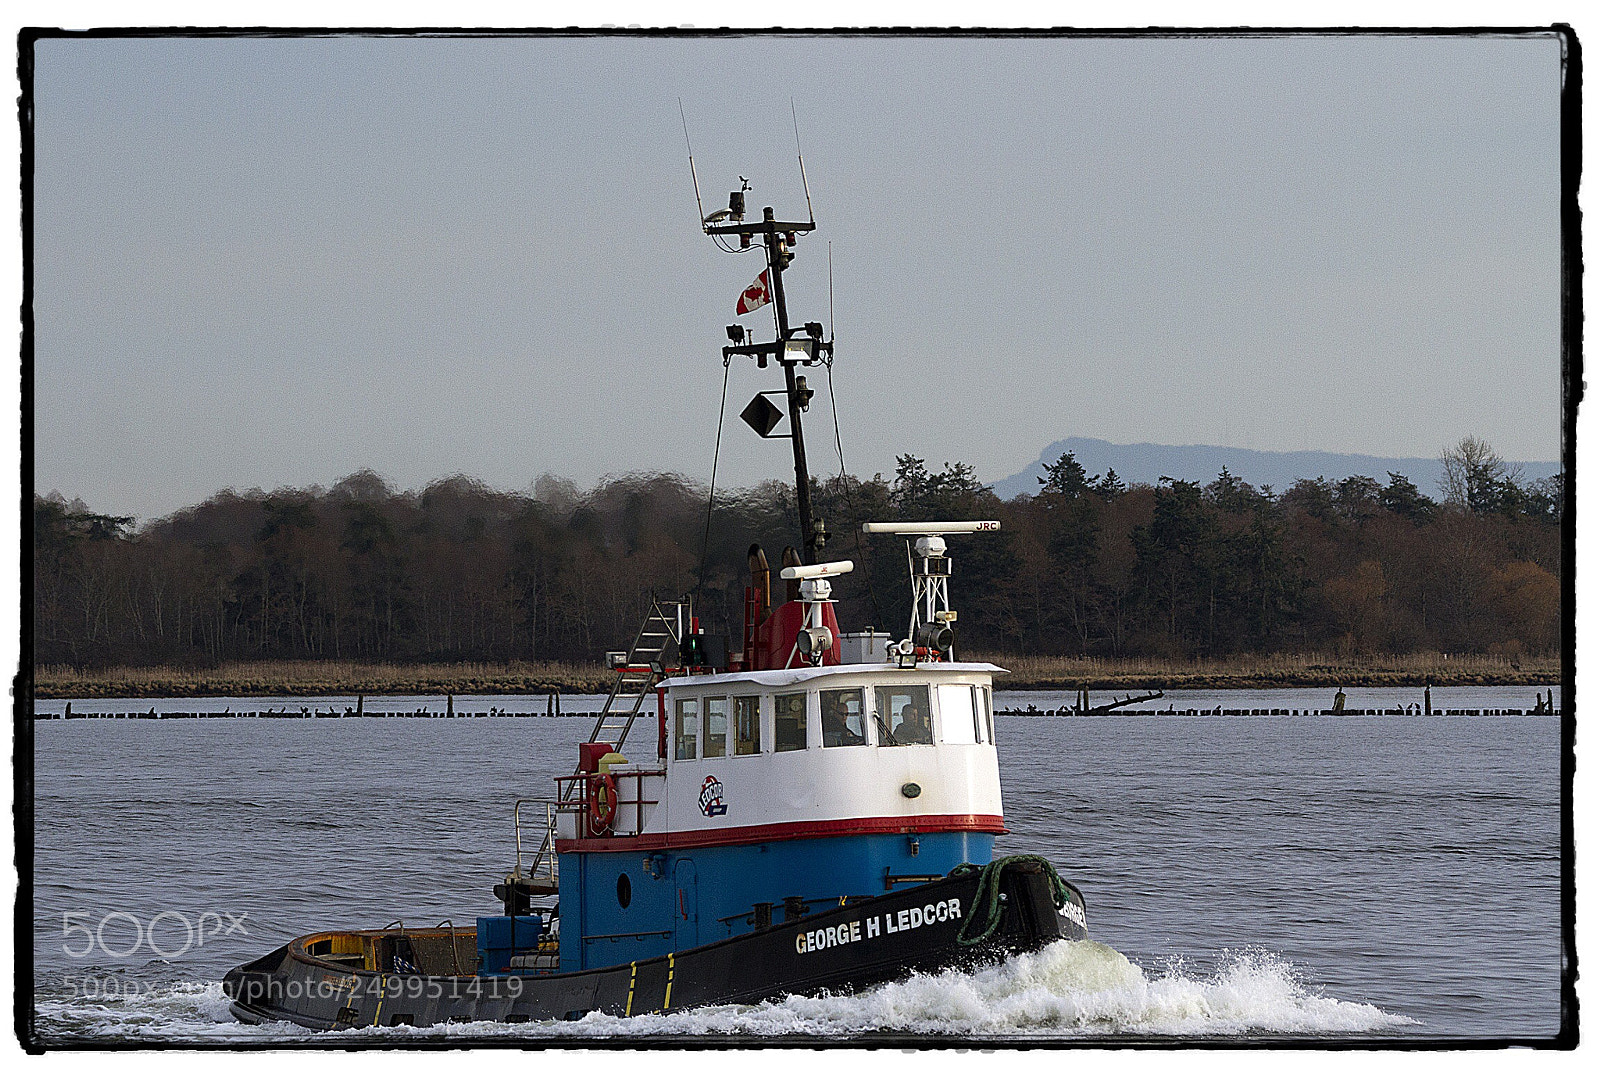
(802, 478)
(794, 346)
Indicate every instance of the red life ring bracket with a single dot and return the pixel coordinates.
(602, 803)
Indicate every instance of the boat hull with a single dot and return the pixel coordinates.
(843, 949)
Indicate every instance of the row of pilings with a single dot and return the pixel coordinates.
(1065, 711)
(357, 710)
(1543, 706)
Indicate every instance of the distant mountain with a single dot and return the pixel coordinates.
(1147, 463)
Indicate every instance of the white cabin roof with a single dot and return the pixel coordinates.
(782, 678)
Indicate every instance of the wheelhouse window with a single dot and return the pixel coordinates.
(789, 721)
(903, 715)
(958, 715)
(716, 726)
(988, 711)
(843, 719)
(687, 728)
(747, 725)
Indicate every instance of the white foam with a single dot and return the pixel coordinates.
(180, 1011)
(1067, 988)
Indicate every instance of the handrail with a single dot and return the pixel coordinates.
(623, 936)
(614, 772)
(578, 798)
(455, 949)
(838, 901)
(398, 924)
(890, 880)
(640, 666)
(516, 821)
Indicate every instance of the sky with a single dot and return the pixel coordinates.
(268, 262)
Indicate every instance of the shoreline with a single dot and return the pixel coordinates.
(320, 679)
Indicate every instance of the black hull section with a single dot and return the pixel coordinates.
(845, 949)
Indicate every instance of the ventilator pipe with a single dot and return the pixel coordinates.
(791, 587)
(761, 581)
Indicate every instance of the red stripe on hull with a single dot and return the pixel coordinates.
(758, 834)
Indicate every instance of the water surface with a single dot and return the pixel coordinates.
(1389, 876)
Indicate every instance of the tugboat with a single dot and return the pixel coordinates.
(817, 810)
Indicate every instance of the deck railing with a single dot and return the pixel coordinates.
(627, 810)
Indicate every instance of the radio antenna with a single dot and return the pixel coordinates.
(830, 292)
(798, 155)
(700, 208)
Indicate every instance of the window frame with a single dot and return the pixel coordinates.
(706, 735)
(886, 730)
(805, 719)
(680, 735)
(965, 717)
(861, 716)
(733, 726)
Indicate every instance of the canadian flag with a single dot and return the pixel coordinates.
(757, 295)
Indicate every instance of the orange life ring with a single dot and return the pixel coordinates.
(602, 803)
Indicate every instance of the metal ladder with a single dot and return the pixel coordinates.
(637, 674)
(663, 628)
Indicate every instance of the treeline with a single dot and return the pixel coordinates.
(1087, 565)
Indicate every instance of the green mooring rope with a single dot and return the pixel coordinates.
(987, 897)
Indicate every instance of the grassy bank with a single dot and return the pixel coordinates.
(294, 679)
(1280, 671)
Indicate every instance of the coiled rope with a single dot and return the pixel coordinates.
(987, 899)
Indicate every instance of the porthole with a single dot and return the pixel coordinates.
(624, 890)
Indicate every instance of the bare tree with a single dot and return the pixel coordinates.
(1475, 477)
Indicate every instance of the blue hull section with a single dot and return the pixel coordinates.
(617, 907)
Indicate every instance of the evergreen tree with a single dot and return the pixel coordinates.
(1072, 542)
(1109, 486)
(1402, 498)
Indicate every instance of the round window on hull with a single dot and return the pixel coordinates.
(624, 890)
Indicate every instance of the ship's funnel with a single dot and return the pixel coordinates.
(761, 581)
